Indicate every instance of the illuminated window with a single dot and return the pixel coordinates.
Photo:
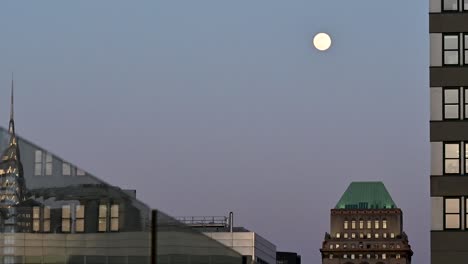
(36, 219)
(450, 47)
(337, 235)
(368, 256)
(466, 96)
(369, 235)
(449, 5)
(465, 7)
(465, 48)
(361, 235)
(46, 222)
(102, 226)
(345, 256)
(66, 218)
(331, 246)
(80, 218)
(376, 235)
(352, 256)
(452, 212)
(353, 224)
(384, 235)
(337, 246)
(38, 163)
(345, 225)
(451, 158)
(384, 224)
(392, 235)
(376, 224)
(451, 99)
(353, 235)
(114, 217)
(397, 256)
(369, 224)
(361, 224)
(345, 235)
(384, 256)
(48, 164)
(66, 169)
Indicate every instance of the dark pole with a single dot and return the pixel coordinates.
(154, 222)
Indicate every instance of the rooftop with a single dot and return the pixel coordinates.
(366, 195)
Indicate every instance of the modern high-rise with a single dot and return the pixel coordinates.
(366, 226)
(448, 74)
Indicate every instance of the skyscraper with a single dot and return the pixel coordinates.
(448, 27)
(366, 226)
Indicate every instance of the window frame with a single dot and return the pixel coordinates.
(459, 214)
(46, 219)
(444, 157)
(450, 11)
(82, 218)
(464, 47)
(69, 218)
(100, 218)
(448, 88)
(38, 169)
(112, 218)
(444, 50)
(36, 220)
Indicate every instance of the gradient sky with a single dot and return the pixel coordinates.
(206, 107)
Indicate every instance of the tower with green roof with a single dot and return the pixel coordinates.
(366, 226)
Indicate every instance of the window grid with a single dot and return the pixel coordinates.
(38, 163)
(449, 5)
(451, 101)
(452, 213)
(345, 224)
(451, 157)
(450, 46)
(46, 216)
(80, 218)
(48, 164)
(102, 225)
(36, 218)
(465, 40)
(114, 222)
(66, 219)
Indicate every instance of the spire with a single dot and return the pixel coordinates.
(11, 127)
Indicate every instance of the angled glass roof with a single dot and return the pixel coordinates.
(366, 195)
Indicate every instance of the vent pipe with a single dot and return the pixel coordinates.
(231, 221)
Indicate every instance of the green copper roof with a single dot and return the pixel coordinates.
(366, 195)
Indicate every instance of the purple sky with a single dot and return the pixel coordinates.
(207, 107)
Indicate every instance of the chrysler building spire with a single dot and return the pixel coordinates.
(11, 127)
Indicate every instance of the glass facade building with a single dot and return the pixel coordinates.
(52, 211)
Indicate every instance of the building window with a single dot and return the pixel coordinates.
(449, 5)
(384, 235)
(369, 235)
(66, 218)
(361, 224)
(48, 164)
(452, 213)
(331, 256)
(114, 224)
(80, 218)
(369, 224)
(352, 256)
(353, 224)
(46, 223)
(397, 256)
(384, 256)
(376, 224)
(36, 219)
(376, 235)
(337, 246)
(66, 169)
(465, 104)
(465, 40)
(392, 235)
(384, 224)
(331, 246)
(345, 256)
(80, 172)
(451, 49)
(38, 163)
(465, 5)
(353, 235)
(452, 158)
(361, 235)
(451, 98)
(345, 225)
(345, 235)
(102, 226)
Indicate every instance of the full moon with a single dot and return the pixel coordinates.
(322, 41)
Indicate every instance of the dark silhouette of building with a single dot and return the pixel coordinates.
(366, 227)
(287, 258)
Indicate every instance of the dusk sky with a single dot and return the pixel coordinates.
(206, 107)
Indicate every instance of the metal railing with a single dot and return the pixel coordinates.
(208, 221)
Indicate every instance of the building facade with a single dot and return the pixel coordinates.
(366, 227)
(287, 258)
(253, 247)
(448, 35)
